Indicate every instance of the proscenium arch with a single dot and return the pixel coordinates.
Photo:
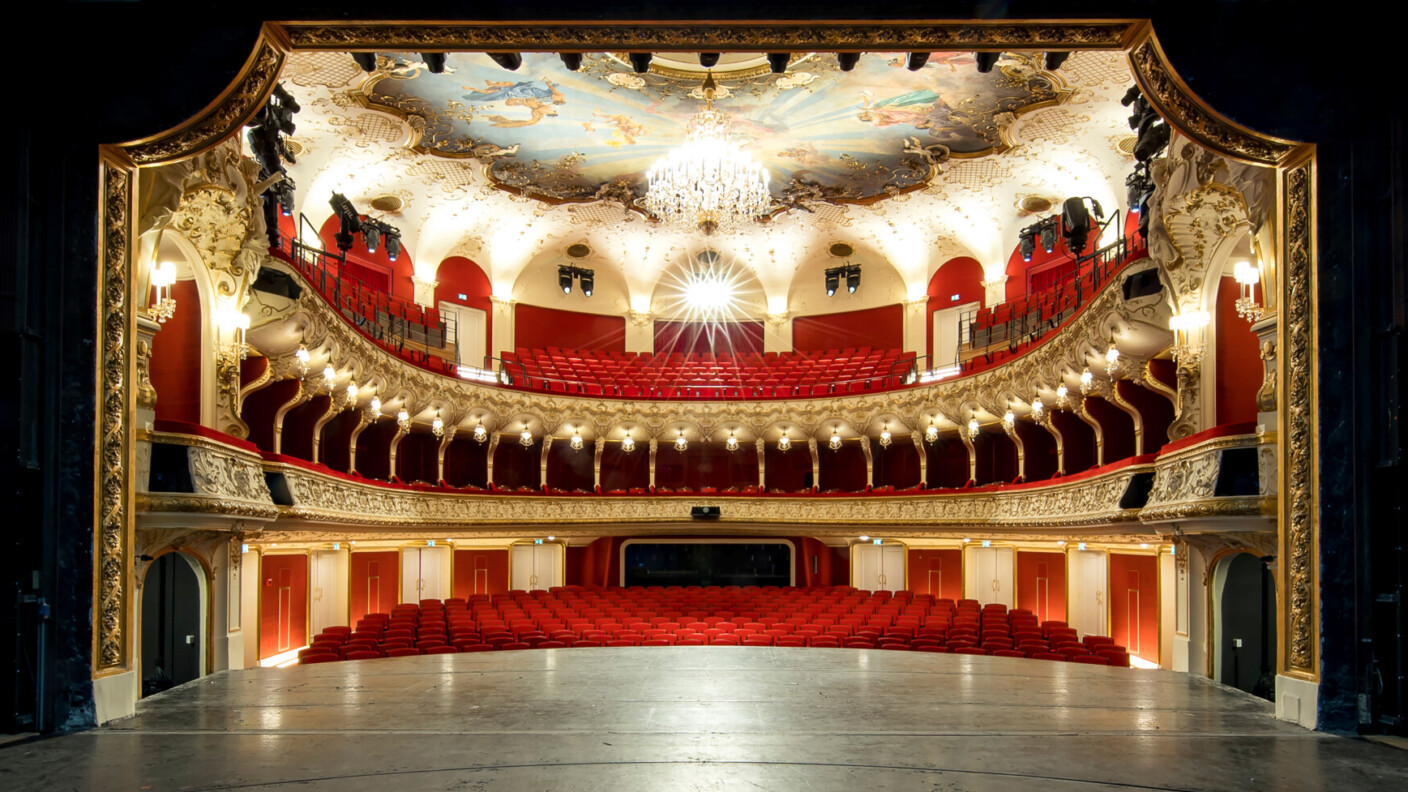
(115, 500)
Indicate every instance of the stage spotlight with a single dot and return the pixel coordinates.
(1152, 133)
(777, 61)
(572, 60)
(367, 60)
(588, 278)
(1077, 223)
(917, 60)
(564, 279)
(393, 244)
(852, 278)
(434, 61)
(986, 60)
(372, 235)
(640, 61)
(1048, 234)
(1055, 59)
(847, 60)
(508, 60)
(349, 222)
(833, 281)
(708, 59)
(1026, 243)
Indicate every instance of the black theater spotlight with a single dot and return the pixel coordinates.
(1152, 133)
(378, 232)
(366, 60)
(588, 280)
(916, 61)
(393, 243)
(1055, 59)
(1047, 232)
(847, 60)
(434, 61)
(349, 222)
(777, 61)
(1026, 243)
(640, 61)
(833, 281)
(508, 60)
(572, 60)
(1079, 217)
(566, 273)
(371, 234)
(986, 60)
(708, 59)
(852, 278)
(564, 278)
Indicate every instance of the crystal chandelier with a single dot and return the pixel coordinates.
(708, 182)
(437, 426)
(681, 444)
(731, 443)
(835, 443)
(576, 441)
(886, 438)
(628, 444)
(784, 443)
(931, 433)
(525, 438)
(1039, 409)
(1188, 328)
(1248, 277)
(163, 305)
(973, 428)
(480, 433)
(1062, 399)
(1087, 382)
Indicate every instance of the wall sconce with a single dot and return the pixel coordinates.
(1009, 419)
(1062, 395)
(1188, 336)
(628, 444)
(576, 441)
(1112, 358)
(973, 428)
(301, 358)
(403, 420)
(1248, 276)
(351, 395)
(437, 426)
(374, 409)
(235, 322)
(163, 305)
(1087, 382)
(1039, 409)
(480, 434)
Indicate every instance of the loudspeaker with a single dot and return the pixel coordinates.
(1142, 284)
(704, 512)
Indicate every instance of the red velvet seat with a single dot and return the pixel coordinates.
(402, 651)
(442, 649)
(318, 657)
(1090, 660)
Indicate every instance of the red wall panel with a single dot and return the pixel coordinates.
(996, 456)
(479, 571)
(457, 276)
(374, 582)
(535, 327)
(1039, 451)
(1077, 440)
(1238, 359)
(960, 278)
(948, 462)
(1134, 603)
(283, 603)
(937, 572)
(685, 337)
(296, 440)
(1041, 584)
(259, 408)
(374, 450)
(877, 328)
(176, 357)
(336, 436)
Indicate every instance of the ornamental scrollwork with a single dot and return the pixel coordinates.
(225, 476)
(1301, 504)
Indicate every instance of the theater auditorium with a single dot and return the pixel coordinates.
(685, 405)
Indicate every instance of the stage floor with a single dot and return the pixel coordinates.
(702, 718)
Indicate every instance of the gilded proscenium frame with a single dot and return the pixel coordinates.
(115, 448)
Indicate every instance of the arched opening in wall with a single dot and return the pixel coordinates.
(948, 462)
(462, 289)
(1239, 370)
(896, 466)
(1245, 639)
(954, 292)
(996, 457)
(173, 623)
(178, 367)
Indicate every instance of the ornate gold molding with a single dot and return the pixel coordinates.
(1298, 410)
(710, 36)
(1176, 102)
(1185, 480)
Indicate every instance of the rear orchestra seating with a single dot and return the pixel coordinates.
(709, 375)
(825, 617)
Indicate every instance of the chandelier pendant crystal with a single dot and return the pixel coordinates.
(707, 183)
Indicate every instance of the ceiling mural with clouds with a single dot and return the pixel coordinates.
(852, 136)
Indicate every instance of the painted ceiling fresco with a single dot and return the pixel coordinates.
(822, 133)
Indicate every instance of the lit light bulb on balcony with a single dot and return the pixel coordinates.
(163, 305)
(1061, 396)
(403, 420)
(931, 433)
(576, 441)
(1009, 419)
(835, 442)
(437, 426)
(374, 408)
(1039, 409)
(731, 443)
(1248, 276)
(784, 443)
(301, 358)
(1112, 359)
(628, 444)
(480, 434)
(1188, 328)
(329, 374)
(350, 396)
(972, 428)
(681, 444)
(525, 439)
(1087, 382)
(886, 438)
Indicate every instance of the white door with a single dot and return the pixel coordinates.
(327, 590)
(878, 567)
(536, 567)
(425, 573)
(989, 575)
(950, 327)
(1089, 586)
(468, 335)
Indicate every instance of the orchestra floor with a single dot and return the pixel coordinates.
(702, 718)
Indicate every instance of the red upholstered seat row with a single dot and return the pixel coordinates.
(708, 375)
(830, 617)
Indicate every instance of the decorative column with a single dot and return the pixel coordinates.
(489, 462)
(762, 463)
(1050, 426)
(1085, 416)
(424, 291)
(501, 326)
(596, 463)
(366, 419)
(918, 438)
(1119, 401)
(543, 462)
(401, 431)
(303, 394)
(995, 290)
(440, 456)
(916, 330)
(972, 453)
(654, 447)
(1011, 431)
(816, 464)
(333, 409)
(145, 396)
(640, 332)
(869, 463)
